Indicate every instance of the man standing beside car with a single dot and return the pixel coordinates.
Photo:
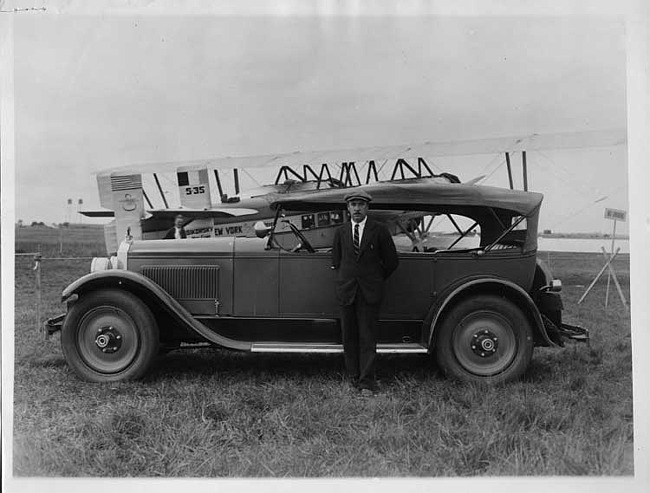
(364, 256)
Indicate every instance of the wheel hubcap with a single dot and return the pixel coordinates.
(485, 343)
(108, 339)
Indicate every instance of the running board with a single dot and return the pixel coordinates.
(304, 347)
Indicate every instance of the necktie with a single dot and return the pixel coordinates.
(356, 240)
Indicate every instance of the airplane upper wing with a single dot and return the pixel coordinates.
(601, 138)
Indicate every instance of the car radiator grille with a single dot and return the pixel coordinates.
(188, 283)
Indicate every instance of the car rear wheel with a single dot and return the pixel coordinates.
(484, 339)
(109, 335)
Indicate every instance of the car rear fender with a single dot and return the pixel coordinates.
(153, 296)
(491, 285)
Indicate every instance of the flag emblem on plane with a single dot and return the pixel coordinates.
(189, 178)
(126, 182)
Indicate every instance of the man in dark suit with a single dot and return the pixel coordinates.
(364, 256)
(177, 231)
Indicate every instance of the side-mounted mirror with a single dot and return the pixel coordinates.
(261, 229)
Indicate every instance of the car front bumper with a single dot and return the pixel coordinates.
(53, 325)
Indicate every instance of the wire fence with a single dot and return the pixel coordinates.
(36, 265)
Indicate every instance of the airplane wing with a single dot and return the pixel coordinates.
(98, 213)
(190, 213)
(603, 138)
(214, 212)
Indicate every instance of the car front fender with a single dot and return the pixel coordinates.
(492, 285)
(151, 294)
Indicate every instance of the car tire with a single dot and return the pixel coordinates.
(109, 335)
(484, 339)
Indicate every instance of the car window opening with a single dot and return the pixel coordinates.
(446, 229)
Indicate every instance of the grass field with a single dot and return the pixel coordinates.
(73, 241)
(211, 413)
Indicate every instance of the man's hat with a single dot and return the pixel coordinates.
(358, 195)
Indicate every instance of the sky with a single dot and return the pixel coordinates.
(98, 91)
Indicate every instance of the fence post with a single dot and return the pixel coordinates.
(37, 271)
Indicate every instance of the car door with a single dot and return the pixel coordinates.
(306, 285)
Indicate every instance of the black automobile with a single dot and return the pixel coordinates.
(473, 294)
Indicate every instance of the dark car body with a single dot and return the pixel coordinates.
(480, 302)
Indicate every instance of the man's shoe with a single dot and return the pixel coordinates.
(351, 385)
(367, 393)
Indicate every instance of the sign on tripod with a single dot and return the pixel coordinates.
(615, 215)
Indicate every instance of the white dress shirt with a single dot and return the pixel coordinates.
(362, 226)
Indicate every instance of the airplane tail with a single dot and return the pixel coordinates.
(194, 187)
(124, 195)
(194, 192)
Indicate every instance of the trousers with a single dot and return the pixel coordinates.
(359, 328)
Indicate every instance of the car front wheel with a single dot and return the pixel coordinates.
(484, 339)
(109, 335)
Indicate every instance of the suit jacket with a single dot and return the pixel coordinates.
(376, 262)
(171, 233)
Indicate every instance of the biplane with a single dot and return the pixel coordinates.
(145, 215)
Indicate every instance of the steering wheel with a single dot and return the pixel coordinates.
(304, 242)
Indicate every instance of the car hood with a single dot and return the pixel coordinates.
(195, 246)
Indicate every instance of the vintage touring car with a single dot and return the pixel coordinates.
(478, 300)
